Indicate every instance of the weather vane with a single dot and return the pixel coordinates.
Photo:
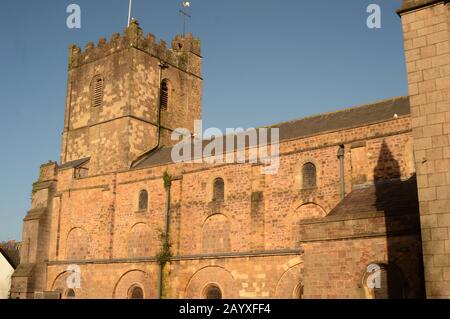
(186, 15)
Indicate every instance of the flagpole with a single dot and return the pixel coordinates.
(184, 12)
(129, 12)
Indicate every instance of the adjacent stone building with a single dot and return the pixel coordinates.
(343, 217)
(426, 26)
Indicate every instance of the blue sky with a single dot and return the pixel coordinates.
(265, 61)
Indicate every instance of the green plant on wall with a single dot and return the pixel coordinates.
(167, 180)
(165, 254)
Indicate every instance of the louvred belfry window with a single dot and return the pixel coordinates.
(164, 98)
(97, 91)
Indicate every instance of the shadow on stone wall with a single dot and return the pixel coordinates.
(398, 199)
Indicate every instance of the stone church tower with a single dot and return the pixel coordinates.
(124, 98)
(426, 26)
(115, 111)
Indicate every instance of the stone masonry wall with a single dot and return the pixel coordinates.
(427, 45)
(125, 124)
(255, 227)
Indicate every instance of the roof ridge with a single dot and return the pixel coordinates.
(347, 109)
(348, 118)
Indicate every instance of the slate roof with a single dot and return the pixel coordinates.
(75, 163)
(392, 197)
(13, 258)
(347, 118)
(344, 119)
(388, 208)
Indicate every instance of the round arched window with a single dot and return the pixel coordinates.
(218, 190)
(70, 294)
(143, 200)
(309, 176)
(136, 293)
(213, 292)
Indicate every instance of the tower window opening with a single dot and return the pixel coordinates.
(164, 97)
(97, 91)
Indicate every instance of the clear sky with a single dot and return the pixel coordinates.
(265, 61)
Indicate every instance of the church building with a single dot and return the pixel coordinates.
(359, 206)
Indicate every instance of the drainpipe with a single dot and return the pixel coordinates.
(162, 67)
(167, 186)
(341, 157)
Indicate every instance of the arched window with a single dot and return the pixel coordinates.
(136, 293)
(139, 241)
(218, 190)
(97, 88)
(216, 235)
(164, 95)
(77, 245)
(143, 200)
(70, 294)
(213, 292)
(309, 176)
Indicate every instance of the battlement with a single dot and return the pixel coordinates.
(410, 5)
(177, 55)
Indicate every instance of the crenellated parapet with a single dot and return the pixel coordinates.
(177, 55)
(410, 5)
